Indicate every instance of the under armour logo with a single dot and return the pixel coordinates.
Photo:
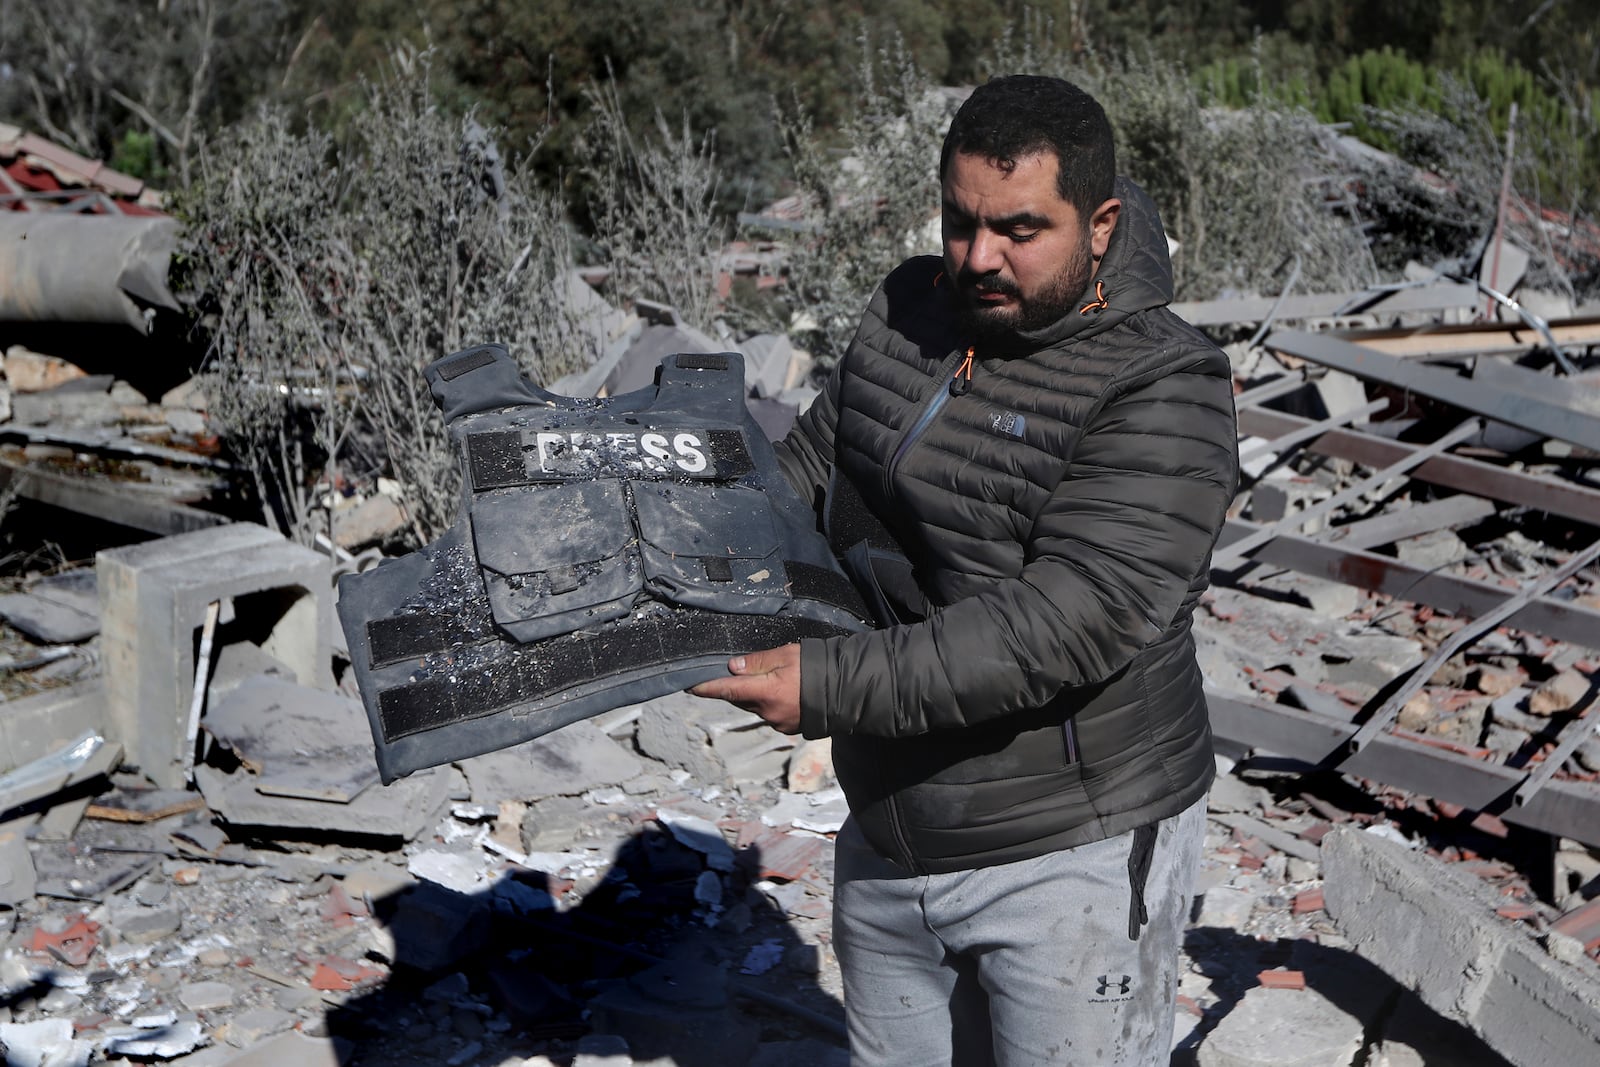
(1122, 982)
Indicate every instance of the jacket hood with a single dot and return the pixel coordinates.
(1135, 274)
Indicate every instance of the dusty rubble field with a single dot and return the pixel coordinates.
(615, 910)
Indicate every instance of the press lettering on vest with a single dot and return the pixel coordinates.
(580, 452)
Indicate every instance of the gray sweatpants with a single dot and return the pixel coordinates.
(1023, 963)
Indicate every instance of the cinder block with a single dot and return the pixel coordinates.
(1434, 930)
(153, 600)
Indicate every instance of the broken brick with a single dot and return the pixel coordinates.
(1282, 979)
(73, 945)
(1582, 923)
(335, 974)
(1308, 900)
(339, 910)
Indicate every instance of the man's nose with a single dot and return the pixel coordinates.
(985, 255)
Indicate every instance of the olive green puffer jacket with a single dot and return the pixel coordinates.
(1058, 511)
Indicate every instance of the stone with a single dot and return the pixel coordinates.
(190, 394)
(368, 522)
(1226, 907)
(677, 728)
(1230, 794)
(1560, 693)
(144, 926)
(1435, 550)
(1283, 1028)
(154, 597)
(811, 766)
(205, 996)
(34, 372)
(250, 1027)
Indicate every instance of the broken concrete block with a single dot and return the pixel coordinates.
(368, 522)
(569, 762)
(34, 372)
(154, 596)
(677, 730)
(811, 766)
(64, 609)
(44, 1043)
(1560, 693)
(1283, 1028)
(1226, 907)
(163, 1039)
(303, 743)
(146, 926)
(1431, 551)
(205, 996)
(401, 809)
(248, 1028)
(16, 868)
(1434, 930)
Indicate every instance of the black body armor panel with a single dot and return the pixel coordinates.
(607, 551)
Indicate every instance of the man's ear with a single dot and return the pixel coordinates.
(1101, 223)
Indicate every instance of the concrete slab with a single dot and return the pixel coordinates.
(301, 742)
(569, 762)
(55, 612)
(1283, 1028)
(1434, 929)
(402, 809)
(154, 596)
(37, 725)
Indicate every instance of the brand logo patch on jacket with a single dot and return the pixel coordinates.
(1008, 422)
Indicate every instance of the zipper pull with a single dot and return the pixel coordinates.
(961, 381)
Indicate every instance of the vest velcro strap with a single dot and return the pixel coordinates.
(402, 637)
(459, 693)
(451, 369)
(810, 582)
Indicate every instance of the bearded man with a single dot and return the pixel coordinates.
(1023, 461)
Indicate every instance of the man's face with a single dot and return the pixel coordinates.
(1017, 252)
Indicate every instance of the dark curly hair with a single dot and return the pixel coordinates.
(1009, 118)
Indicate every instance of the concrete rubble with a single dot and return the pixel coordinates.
(198, 864)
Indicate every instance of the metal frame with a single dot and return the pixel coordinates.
(1564, 808)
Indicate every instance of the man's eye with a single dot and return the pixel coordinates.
(1022, 236)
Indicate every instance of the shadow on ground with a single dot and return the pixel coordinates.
(639, 958)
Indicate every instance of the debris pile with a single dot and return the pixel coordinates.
(199, 866)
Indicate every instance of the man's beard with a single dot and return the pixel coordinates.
(1004, 330)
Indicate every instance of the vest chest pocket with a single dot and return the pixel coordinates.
(558, 558)
(713, 548)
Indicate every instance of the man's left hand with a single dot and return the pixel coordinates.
(766, 683)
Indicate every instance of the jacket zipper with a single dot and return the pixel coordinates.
(1069, 733)
(960, 382)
